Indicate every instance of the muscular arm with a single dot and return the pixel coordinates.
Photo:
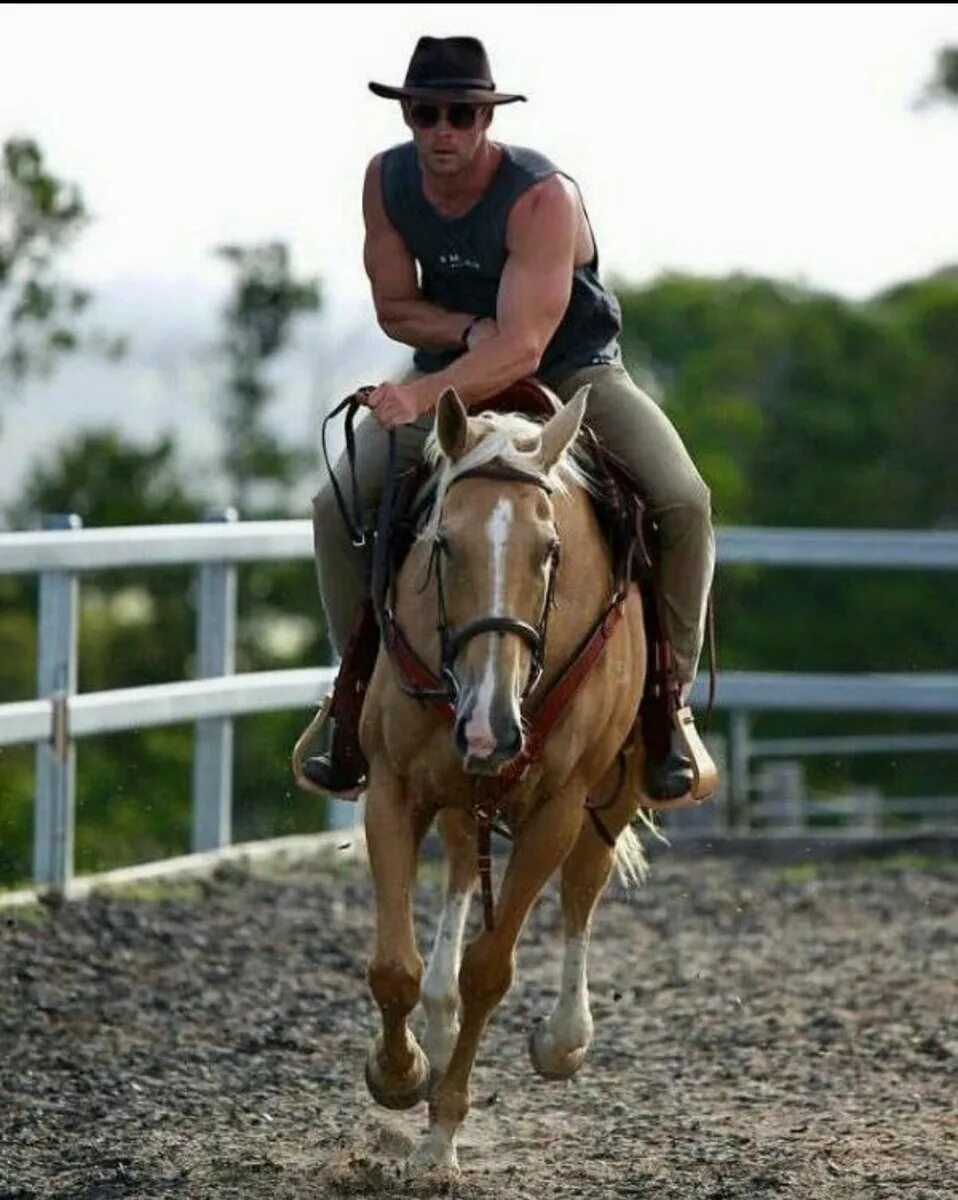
(533, 296)
(400, 308)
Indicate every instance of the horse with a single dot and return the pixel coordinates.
(512, 542)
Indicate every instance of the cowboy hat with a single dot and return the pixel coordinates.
(448, 70)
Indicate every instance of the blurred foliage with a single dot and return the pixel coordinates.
(801, 409)
(40, 218)
(258, 318)
(943, 85)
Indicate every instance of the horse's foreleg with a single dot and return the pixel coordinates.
(440, 988)
(558, 1045)
(397, 1071)
(488, 966)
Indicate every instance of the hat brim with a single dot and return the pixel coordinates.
(465, 96)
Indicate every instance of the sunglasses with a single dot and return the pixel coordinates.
(458, 116)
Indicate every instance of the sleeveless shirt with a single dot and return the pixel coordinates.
(461, 260)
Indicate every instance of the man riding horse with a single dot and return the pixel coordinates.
(507, 287)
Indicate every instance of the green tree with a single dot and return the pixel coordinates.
(281, 622)
(40, 217)
(804, 409)
(942, 88)
(138, 627)
(259, 316)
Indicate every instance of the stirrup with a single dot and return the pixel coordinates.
(305, 740)
(301, 753)
(705, 776)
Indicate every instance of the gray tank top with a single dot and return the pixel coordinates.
(461, 260)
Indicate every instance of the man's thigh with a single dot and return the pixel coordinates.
(633, 426)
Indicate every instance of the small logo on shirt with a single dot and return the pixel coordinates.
(458, 262)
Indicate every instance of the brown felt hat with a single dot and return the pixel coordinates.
(448, 70)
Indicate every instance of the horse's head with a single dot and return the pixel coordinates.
(496, 552)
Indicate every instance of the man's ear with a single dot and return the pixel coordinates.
(452, 425)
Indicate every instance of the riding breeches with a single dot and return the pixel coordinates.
(624, 418)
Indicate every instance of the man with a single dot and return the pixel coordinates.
(509, 288)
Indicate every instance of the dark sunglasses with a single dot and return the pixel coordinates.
(459, 116)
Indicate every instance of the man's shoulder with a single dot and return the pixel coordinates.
(531, 162)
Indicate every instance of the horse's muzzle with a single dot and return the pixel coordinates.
(486, 752)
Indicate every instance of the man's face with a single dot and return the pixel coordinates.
(447, 136)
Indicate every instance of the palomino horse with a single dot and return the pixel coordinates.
(488, 568)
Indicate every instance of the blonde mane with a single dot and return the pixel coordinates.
(510, 440)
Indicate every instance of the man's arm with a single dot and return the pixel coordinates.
(533, 295)
(400, 308)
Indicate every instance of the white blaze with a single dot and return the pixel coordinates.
(479, 735)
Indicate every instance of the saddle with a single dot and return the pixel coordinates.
(632, 537)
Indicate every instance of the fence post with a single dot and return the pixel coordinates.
(55, 800)
(781, 786)
(213, 746)
(739, 752)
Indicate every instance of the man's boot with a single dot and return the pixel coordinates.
(342, 771)
(679, 770)
(337, 773)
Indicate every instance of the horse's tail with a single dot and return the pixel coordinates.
(629, 859)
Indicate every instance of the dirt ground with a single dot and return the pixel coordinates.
(760, 1032)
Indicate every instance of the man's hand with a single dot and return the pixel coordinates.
(394, 404)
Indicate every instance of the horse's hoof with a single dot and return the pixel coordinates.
(408, 1094)
(548, 1059)
(436, 1152)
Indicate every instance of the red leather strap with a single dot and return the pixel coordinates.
(413, 672)
(562, 691)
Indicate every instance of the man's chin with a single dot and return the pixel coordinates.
(445, 164)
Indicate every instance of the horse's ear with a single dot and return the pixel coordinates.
(560, 431)
(451, 424)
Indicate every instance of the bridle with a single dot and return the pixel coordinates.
(452, 641)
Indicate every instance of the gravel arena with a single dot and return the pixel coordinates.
(761, 1031)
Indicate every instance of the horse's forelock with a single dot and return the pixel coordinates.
(507, 438)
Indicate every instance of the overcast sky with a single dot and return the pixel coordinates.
(776, 139)
(769, 138)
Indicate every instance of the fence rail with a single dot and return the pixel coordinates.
(63, 553)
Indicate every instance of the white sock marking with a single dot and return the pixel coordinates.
(440, 987)
(571, 1022)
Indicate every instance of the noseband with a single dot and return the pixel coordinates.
(453, 640)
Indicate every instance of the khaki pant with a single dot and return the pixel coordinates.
(623, 417)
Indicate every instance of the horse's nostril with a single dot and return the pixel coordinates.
(511, 740)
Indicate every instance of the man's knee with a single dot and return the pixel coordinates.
(685, 518)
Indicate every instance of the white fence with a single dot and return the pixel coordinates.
(63, 552)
